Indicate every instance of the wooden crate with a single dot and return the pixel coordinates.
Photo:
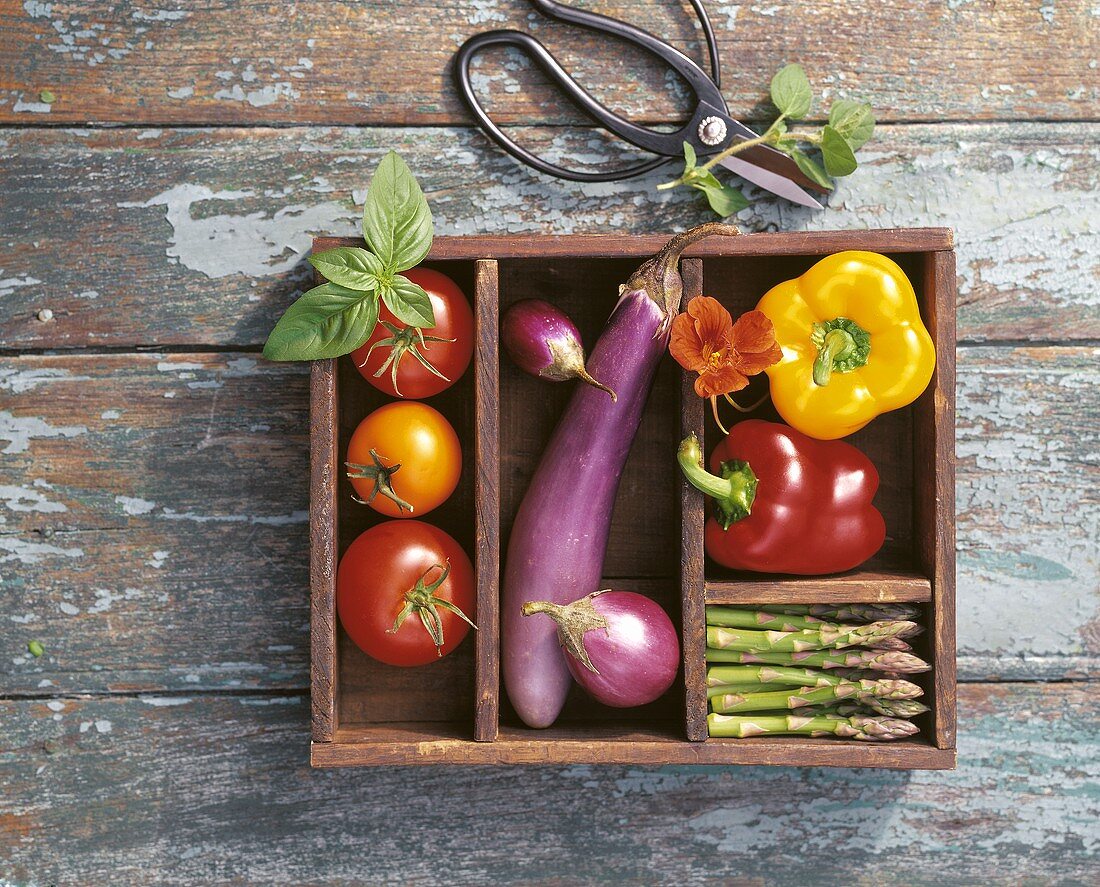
(453, 711)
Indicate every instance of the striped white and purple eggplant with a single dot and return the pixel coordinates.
(559, 538)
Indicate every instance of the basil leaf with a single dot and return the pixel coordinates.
(689, 158)
(409, 302)
(327, 321)
(837, 154)
(853, 120)
(791, 92)
(810, 167)
(397, 223)
(349, 266)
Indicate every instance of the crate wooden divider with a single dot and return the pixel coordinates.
(454, 711)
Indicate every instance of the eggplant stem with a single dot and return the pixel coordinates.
(585, 376)
(574, 621)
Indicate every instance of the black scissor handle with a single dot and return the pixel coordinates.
(665, 144)
(706, 87)
(569, 86)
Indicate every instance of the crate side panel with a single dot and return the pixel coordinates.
(487, 496)
(323, 515)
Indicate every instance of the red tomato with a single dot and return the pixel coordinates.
(401, 573)
(404, 459)
(405, 375)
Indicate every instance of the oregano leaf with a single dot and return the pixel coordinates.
(811, 168)
(397, 222)
(328, 321)
(689, 158)
(853, 120)
(723, 199)
(791, 93)
(837, 153)
(349, 266)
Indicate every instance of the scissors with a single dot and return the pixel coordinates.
(710, 129)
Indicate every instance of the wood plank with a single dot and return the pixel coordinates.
(487, 496)
(859, 586)
(692, 520)
(229, 774)
(221, 220)
(410, 745)
(323, 520)
(934, 505)
(128, 553)
(642, 246)
(386, 63)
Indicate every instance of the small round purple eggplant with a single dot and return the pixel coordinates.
(542, 340)
(620, 646)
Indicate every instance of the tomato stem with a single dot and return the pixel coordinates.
(402, 341)
(380, 473)
(422, 600)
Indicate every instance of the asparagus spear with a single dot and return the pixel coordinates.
(803, 696)
(771, 674)
(894, 708)
(737, 617)
(872, 729)
(727, 689)
(826, 635)
(847, 612)
(895, 643)
(879, 660)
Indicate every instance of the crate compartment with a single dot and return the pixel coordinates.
(913, 451)
(642, 553)
(372, 698)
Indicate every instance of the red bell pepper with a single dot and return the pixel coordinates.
(785, 502)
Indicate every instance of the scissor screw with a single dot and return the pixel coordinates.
(712, 131)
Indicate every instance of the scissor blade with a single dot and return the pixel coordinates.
(770, 181)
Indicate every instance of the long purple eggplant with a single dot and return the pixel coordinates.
(559, 537)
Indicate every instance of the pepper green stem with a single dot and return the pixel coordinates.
(842, 346)
(733, 492)
(838, 344)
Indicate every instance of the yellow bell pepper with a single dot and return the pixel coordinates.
(853, 344)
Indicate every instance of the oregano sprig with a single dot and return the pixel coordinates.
(850, 126)
(337, 317)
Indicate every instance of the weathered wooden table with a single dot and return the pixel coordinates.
(163, 167)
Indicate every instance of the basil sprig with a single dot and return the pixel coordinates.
(339, 316)
(850, 126)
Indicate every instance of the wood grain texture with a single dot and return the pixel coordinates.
(124, 522)
(125, 790)
(934, 500)
(324, 510)
(871, 583)
(487, 500)
(222, 219)
(389, 63)
(692, 519)
(399, 745)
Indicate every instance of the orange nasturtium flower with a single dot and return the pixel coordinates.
(705, 340)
